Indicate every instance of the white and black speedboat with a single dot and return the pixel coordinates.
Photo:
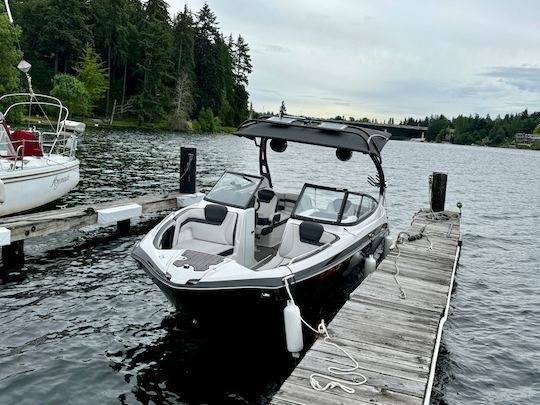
(245, 239)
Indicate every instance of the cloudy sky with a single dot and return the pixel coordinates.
(383, 58)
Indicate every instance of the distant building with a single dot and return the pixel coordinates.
(526, 138)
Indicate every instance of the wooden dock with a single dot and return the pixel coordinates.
(395, 340)
(14, 230)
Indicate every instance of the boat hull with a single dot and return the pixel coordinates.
(27, 189)
(341, 278)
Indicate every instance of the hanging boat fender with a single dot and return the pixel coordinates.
(293, 329)
(388, 242)
(370, 265)
(2, 192)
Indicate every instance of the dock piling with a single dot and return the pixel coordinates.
(122, 227)
(437, 182)
(13, 255)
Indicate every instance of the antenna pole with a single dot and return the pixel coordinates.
(10, 17)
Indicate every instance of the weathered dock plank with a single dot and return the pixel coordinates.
(48, 222)
(395, 340)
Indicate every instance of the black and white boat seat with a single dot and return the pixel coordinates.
(209, 230)
(299, 239)
(268, 201)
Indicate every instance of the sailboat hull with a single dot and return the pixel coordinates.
(33, 187)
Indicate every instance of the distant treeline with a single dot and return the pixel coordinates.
(157, 68)
(467, 130)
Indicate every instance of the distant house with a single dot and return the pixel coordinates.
(526, 138)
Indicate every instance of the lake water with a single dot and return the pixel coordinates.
(81, 323)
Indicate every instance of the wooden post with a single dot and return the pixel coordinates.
(188, 169)
(122, 227)
(438, 190)
(13, 255)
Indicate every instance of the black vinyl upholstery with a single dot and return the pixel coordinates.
(311, 232)
(266, 195)
(215, 214)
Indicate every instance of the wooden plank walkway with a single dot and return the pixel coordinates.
(47, 222)
(395, 340)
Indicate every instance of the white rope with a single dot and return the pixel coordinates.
(188, 165)
(348, 370)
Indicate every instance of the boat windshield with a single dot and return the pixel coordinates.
(6, 147)
(332, 205)
(234, 189)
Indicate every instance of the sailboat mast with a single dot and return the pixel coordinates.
(10, 17)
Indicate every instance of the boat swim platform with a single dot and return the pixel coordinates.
(14, 230)
(395, 340)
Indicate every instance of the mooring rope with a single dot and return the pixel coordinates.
(348, 370)
(188, 165)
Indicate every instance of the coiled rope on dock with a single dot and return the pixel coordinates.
(333, 371)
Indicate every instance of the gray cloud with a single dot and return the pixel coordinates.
(273, 48)
(522, 77)
(387, 58)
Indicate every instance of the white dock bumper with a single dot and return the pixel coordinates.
(5, 236)
(188, 199)
(112, 215)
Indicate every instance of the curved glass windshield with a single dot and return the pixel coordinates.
(234, 189)
(332, 205)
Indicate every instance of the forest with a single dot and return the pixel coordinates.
(132, 55)
(467, 130)
(178, 72)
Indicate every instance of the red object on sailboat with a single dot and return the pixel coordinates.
(28, 140)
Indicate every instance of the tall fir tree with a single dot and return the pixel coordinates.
(156, 78)
(208, 71)
(65, 33)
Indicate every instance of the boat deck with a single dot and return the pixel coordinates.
(395, 340)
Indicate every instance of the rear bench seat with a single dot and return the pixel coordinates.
(209, 230)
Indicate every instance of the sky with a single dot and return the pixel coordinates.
(383, 58)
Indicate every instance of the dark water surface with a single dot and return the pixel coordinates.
(81, 323)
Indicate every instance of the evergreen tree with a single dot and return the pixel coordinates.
(184, 40)
(208, 55)
(241, 68)
(94, 75)
(144, 53)
(65, 33)
(156, 66)
(9, 75)
(242, 61)
(112, 29)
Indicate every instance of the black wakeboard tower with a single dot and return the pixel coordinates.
(345, 136)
